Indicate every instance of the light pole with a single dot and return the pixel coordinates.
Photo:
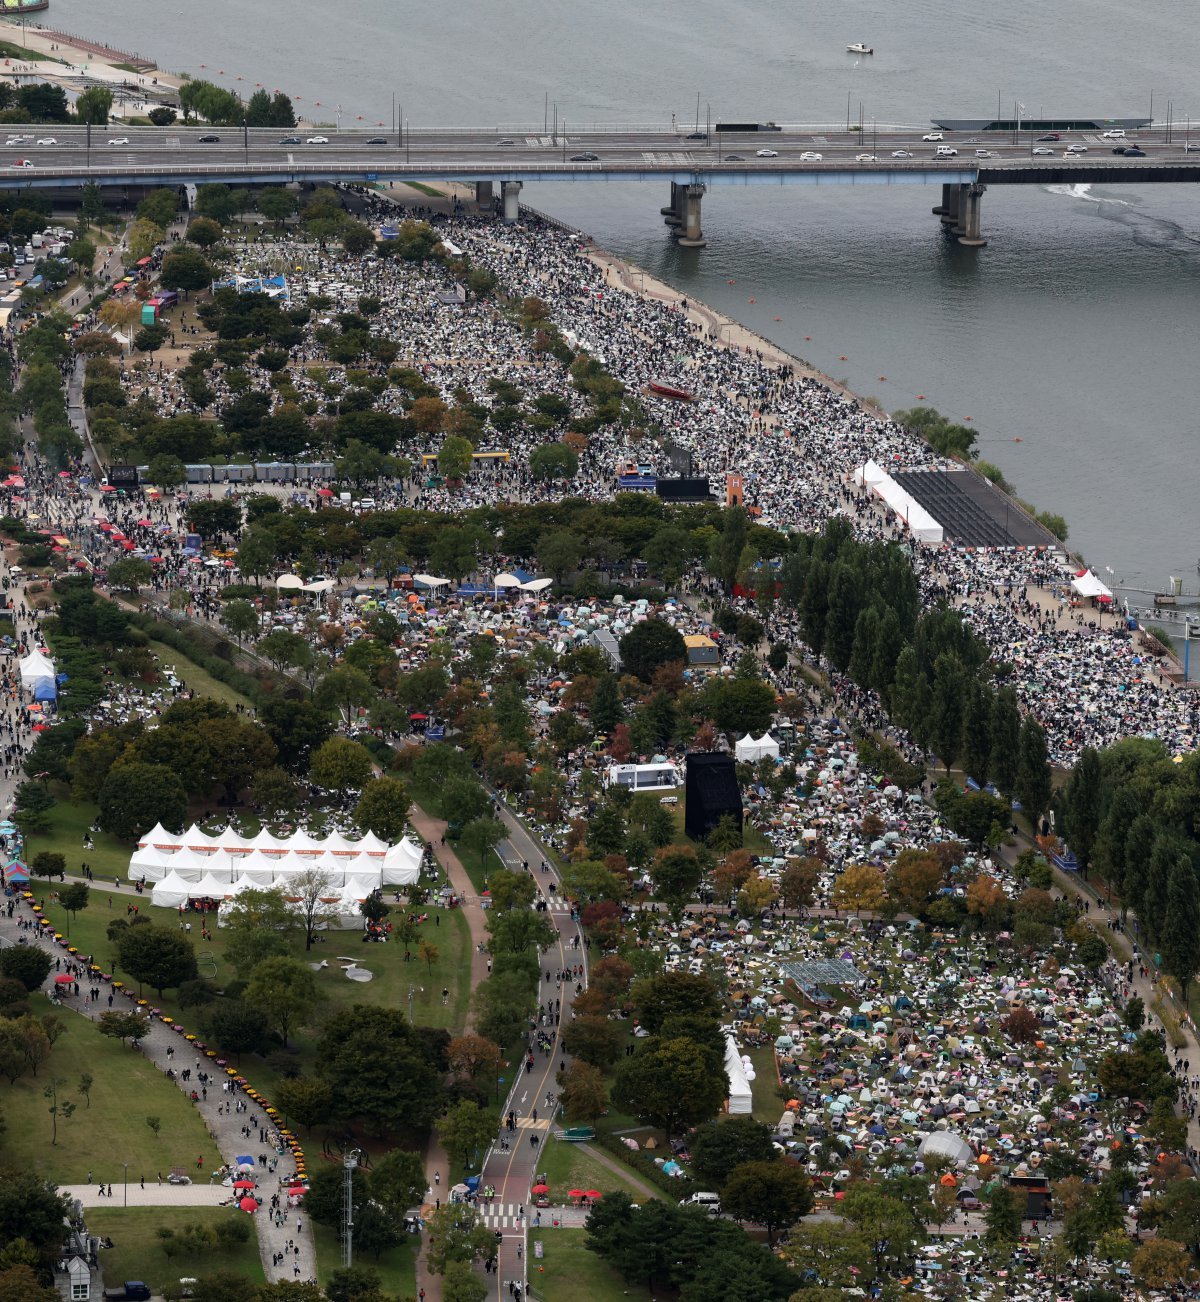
(412, 990)
(125, 1184)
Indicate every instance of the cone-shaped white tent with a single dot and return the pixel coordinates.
(171, 892)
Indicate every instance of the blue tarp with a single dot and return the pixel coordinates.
(44, 690)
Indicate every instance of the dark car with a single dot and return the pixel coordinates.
(1132, 151)
(1053, 135)
(290, 140)
(208, 140)
(735, 158)
(377, 140)
(696, 135)
(585, 158)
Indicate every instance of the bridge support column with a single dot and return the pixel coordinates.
(690, 236)
(951, 195)
(511, 191)
(483, 195)
(945, 204)
(967, 229)
(672, 215)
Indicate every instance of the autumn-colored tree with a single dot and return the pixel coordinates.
(914, 880)
(1021, 1026)
(755, 896)
(798, 884)
(986, 898)
(469, 1054)
(1162, 1264)
(859, 887)
(620, 747)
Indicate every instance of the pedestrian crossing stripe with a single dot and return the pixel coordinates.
(501, 1216)
(528, 1123)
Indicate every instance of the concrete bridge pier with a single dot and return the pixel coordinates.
(941, 209)
(511, 192)
(672, 214)
(950, 205)
(967, 229)
(689, 235)
(483, 195)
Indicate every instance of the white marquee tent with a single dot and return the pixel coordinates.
(741, 1099)
(749, 749)
(923, 527)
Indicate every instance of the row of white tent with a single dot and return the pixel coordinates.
(748, 749)
(301, 843)
(921, 525)
(174, 891)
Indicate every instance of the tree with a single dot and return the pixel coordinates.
(276, 204)
(429, 952)
(19, 1283)
(553, 461)
(129, 574)
(341, 765)
(454, 456)
(143, 238)
(304, 1101)
(1033, 770)
(239, 618)
(480, 837)
(157, 957)
(315, 893)
(26, 964)
(32, 1209)
(398, 1182)
(671, 1084)
(771, 1194)
(136, 796)
(720, 1146)
(1180, 939)
(560, 552)
(383, 808)
(594, 1040)
(583, 1091)
(858, 887)
(166, 471)
(469, 1054)
(465, 1131)
(1162, 1264)
(649, 645)
(456, 1235)
(237, 1026)
(124, 1026)
(285, 989)
(186, 269)
(74, 897)
(94, 105)
(460, 1283)
(1003, 1218)
(676, 872)
(357, 238)
(380, 1068)
(345, 688)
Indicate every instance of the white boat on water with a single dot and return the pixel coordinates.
(859, 48)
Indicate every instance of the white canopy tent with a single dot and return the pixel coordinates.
(286, 581)
(741, 1098)
(36, 669)
(172, 892)
(749, 749)
(160, 839)
(923, 527)
(402, 864)
(1086, 584)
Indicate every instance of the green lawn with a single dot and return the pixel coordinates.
(753, 840)
(192, 676)
(397, 1268)
(137, 1250)
(126, 1090)
(768, 1106)
(446, 929)
(567, 1271)
(68, 823)
(23, 54)
(570, 1166)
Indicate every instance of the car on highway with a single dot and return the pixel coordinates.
(934, 135)
(986, 153)
(290, 140)
(318, 140)
(505, 144)
(945, 151)
(810, 156)
(18, 140)
(741, 158)
(1133, 152)
(47, 140)
(696, 135)
(119, 140)
(1043, 151)
(766, 153)
(1077, 149)
(208, 140)
(21, 162)
(1191, 149)
(585, 158)
(903, 153)
(1113, 135)
(1050, 135)
(377, 140)
(864, 158)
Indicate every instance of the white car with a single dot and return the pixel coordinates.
(318, 140)
(47, 140)
(1077, 149)
(934, 135)
(18, 140)
(986, 153)
(864, 158)
(1113, 135)
(902, 153)
(120, 140)
(810, 156)
(1044, 152)
(768, 153)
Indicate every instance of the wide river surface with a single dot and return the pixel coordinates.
(1072, 341)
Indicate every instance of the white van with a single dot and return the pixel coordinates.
(710, 1202)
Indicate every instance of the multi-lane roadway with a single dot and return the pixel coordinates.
(124, 156)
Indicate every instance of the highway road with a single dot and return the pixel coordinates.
(121, 155)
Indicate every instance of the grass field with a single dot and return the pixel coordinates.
(69, 821)
(137, 1249)
(567, 1271)
(768, 1107)
(192, 676)
(570, 1166)
(447, 930)
(126, 1090)
(397, 1268)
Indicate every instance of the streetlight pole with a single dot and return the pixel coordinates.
(125, 1183)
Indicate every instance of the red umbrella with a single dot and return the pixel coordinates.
(324, 492)
(540, 1188)
(107, 488)
(576, 1193)
(64, 980)
(244, 1184)
(593, 1194)
(248, 1205)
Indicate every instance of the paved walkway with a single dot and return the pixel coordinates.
(224, 1125)
(152, 1194)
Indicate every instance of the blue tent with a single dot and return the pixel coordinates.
(44, 690)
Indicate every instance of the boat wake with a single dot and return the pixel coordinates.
(1085, 192)
(1146, 228)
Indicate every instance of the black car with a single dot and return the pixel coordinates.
(696, 135)
(735, 158)
(208, 140)
(290, 140)
(1052, 136)
(585, 158)
(377, 140)
(1132, 151)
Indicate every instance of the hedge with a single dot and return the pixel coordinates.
(678, 1187)
(189, 643)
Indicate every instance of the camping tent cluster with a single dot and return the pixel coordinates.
(228, 858)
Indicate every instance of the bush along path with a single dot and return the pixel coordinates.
(237, 1117)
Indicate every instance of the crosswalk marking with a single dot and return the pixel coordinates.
(528, 1123)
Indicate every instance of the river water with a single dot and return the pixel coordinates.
(1071, 341)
